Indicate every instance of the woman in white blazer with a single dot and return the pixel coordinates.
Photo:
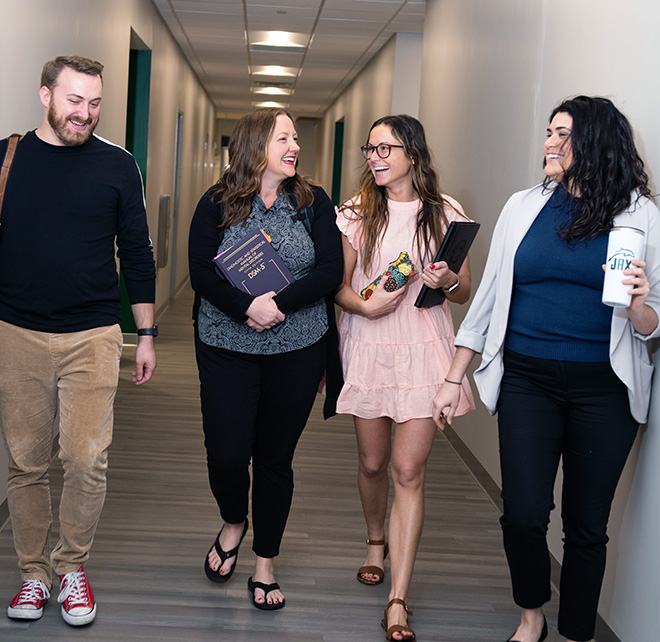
(568, 376)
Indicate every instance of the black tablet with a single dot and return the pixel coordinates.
(453, 251)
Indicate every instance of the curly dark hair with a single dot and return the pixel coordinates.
(370, 204)
(248, 158)
(606, 166)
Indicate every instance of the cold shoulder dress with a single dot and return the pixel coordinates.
(394, 365)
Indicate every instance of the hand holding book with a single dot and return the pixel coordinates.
(263, 312)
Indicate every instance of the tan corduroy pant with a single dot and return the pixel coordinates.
(49, 383)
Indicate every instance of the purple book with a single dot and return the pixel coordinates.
(253, 265)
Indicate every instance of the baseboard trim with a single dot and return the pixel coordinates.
(603, 632)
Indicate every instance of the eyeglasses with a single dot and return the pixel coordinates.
(383, 150)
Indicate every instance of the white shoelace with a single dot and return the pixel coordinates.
(32, 591)
(75, 589)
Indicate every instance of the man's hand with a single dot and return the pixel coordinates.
(145, 354)
(145, 360)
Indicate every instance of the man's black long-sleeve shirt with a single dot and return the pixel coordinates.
(64, 209)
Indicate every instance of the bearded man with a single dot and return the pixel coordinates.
(72, 201)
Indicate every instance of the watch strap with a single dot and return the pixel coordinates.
(148, 332)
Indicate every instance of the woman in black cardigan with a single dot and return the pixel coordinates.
(261, 358)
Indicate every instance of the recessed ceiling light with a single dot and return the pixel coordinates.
(273, 70)
(284, 41)
(270, 103)
(272, 91)
(279, 39)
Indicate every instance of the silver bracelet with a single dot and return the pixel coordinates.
(453, 287)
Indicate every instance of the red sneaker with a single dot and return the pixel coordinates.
(77, 599)
(28, 603)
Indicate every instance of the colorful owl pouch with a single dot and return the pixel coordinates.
(399, 273)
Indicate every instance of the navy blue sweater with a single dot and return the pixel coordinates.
(64, 209)
(556, 309)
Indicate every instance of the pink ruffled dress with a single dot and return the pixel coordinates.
(394, 365)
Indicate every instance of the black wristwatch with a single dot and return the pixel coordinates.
(148, 332)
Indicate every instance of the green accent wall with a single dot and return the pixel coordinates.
(336, 161)
(137, 137)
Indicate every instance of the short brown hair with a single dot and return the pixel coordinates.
(53, 68)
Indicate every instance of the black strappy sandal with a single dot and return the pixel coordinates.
(216, 576)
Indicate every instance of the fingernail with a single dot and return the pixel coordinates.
(387, 273)
(432, 266)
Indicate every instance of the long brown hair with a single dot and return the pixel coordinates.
(370, 204)
(248, 158)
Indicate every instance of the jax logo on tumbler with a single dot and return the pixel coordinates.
(621, 259)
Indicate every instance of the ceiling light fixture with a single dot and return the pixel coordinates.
(271, 91)
(278, 41)
(270, 103)
(273, 70)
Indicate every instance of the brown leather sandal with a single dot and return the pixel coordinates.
(373, 570)
(397, 628)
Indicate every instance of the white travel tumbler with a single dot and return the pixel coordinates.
(624, 244)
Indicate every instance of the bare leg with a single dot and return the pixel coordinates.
(229, 538)
(531, 625)
(374, 437)
(264, 571)
(413, 441)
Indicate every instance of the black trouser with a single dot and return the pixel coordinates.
(580, 412)
(256, 407)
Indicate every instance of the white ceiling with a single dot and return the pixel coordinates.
(339, 37)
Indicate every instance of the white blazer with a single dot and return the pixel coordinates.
(484, 327)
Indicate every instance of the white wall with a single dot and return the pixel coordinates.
(492, 72)
(39, 30)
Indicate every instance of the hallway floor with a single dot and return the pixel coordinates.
(160, 519)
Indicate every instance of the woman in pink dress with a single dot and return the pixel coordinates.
(394, 355)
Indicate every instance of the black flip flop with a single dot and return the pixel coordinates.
(266, 588)
(216, 576)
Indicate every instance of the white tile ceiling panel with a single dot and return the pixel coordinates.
(346, 34)
(220, 42)
(286, 5)
(211, 23)
(374, 5)
(331, 74)
(332, 46)
(297, 15)
(219, 71)
(209, 6)
(355, 28)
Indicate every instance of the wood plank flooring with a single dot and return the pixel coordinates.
(160, 519)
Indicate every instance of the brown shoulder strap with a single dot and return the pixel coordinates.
(12, 143)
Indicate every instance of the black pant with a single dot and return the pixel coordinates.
(255, 407)
(580, 412)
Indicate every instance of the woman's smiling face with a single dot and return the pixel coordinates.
(283, 150)
(557, 148)
(392, 172)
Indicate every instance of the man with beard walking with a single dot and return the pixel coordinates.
(70, 196)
